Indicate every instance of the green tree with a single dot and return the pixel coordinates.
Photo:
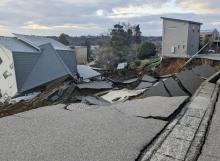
(63, 39)
(146, 50)
(121, 40)
(137, 35)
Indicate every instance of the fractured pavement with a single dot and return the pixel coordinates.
(84, 132)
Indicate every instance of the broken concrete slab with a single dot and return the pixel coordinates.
(173, 87)
(189, 80)
(184, 133)
(160, 157)
(147, 78)
(208, 158)
(129, 81)
(150, 106)
(121, 95)
(204, 71)
(92, 100)
(212, 143)
(96, 85)
(52, 133)
(174, 148)
(144, 85)
(157, 90)
(188, 121)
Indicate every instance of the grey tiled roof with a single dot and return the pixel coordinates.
(16, 45)
(40, 40)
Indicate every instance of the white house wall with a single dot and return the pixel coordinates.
(8, 86)
(175, 36)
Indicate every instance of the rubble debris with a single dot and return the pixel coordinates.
(184, 140)
(144, 85)
(86, 72)
(95, 85)
(124, 82)
(157, 90)
(25, 97)
(150, 106)
(173, 87)
(121, 95)
(129, 81)
(92, 100)
(122, 66)
(189, 80)
(147, 78)
(204, 71)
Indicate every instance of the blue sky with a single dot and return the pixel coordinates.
(95, 17)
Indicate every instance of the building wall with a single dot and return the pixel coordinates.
(69, 58)
(8, 85)
(81, 55)
(193, 39)
(24, 64)
(175, 36)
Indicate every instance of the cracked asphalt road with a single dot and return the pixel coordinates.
(83, 133)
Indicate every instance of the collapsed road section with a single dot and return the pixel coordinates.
(85, 132)
(99, 120)
(184, 137)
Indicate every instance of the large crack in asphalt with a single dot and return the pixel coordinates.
(169, 119)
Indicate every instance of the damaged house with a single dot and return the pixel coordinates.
(27, 62)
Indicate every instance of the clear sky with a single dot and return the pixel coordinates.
(94, 17)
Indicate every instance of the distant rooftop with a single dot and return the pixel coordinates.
(187, 21)
(208, 30)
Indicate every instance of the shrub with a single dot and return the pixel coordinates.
(146, 50)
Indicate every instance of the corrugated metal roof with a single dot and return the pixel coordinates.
(40, 40)
(16, 45)
(86, 72)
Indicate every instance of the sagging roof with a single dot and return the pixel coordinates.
(37, 41)
(48, 67)
(187, 21)
(15, 45)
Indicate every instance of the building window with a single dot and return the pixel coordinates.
(183, 46)
(0, 61)
(173, 50)
(198, 28)
(178, 46)
(171, 28)
(6, 74)
(193, 28)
